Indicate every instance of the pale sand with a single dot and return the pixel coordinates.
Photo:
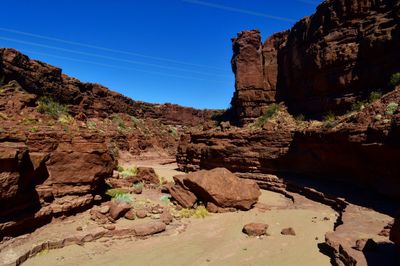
(216, 240)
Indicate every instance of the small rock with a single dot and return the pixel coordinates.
(366, 245)
(255, 229)
(138, 190)
(326, 218)
(141, 214)
(288, 231)
(166, 217)
(104, 209)
(118, 209)
(109, 227)
(155, 216)
(130, 215)
(98, 198)
(149, 229)
(79, 228)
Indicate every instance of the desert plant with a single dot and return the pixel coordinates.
(113, 192)
(118, 121)
(119, 195)
(47, 105)
(378, 117)
(127, 172)
(66, 119)
(3, 116)
(165, 198)
(201, 212)
(173, 131)
(329, 120)
(29, 121)
(391, 108)
(91, 124)
(138, 186)
(123, 198)
(114, 150)
(300, 118)
(374, 96)
(186, 213)
(34, 129)
(270, 112)
(394, 80)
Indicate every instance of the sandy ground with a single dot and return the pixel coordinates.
(216, 240)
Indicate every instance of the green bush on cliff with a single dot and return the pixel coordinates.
(47, 105)
(391, 108)
(270, 112)
(374, 96)
(329, 120)
(394, 80)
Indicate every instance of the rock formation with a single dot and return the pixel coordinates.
(256, 70)
(93, 100)
(48, 175)
(218, 187)
(326, 62)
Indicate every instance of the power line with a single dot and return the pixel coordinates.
(238, 10)
(108, 57)
(106, 49)
(118, 67)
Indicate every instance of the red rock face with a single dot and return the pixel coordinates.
(361, 150)
(346, 49)
(94, 100)
(48, 174)
(256, 70)
(326, 62)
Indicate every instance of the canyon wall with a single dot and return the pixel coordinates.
(89, 99)
(256, 71)
(360, 150)
(326, 62)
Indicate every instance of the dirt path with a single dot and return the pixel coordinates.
(216, 240)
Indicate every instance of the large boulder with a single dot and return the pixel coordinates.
(223, 188)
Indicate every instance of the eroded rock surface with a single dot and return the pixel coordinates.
(218, 186)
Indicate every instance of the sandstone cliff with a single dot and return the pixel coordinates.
(92, 100)
(326, 62)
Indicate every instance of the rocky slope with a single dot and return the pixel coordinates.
(88, 99)
(60, 139)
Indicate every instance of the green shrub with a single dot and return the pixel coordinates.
(91, 124)
(271, 111)
(329, 120)
(138, 186)
(374, 96)
(300, 118)
(127, 172)
(166, 199)
(48, 106)
(391, 108)
(114, 150)
(34, 129)
(66, 119)
(173, 131)
(113, 192)
(29, 121)
(123, 198)
(119, 195)
(3, 116)
(394, 80)
(201, 212)
(186, 213)
(118, 121)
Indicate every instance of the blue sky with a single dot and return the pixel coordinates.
(156, 51)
